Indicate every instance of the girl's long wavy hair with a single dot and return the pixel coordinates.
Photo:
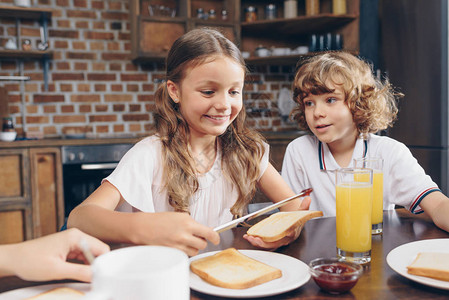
(371, 101)
(241, 147)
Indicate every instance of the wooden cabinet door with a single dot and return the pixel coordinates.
(15, 207)
(46, 190)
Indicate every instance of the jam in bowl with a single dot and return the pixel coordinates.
(335, 275)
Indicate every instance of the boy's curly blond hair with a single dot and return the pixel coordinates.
(371, 102)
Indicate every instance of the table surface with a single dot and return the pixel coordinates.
(318, 240)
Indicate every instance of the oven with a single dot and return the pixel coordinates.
(84, 167)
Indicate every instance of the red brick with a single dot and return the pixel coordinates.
(77, 45)
(63, 24)
(103, 118)
(65, 119)
(82, 24)
(69, 34)
(49, 130)
(67, 108)
(135, 117)
(95, 35)
(134, 77)
(118, 98)
(98, 25)
(102, 129)
(119, 128)
(81, 66)
(37, 119)
(83, 87)
(148, 87)
(113, 46)
(101, 77)
(145, 98)
(37, 98)
(81, 55)
(116, 56)
(115, 6)
(132, 87)
(97, 4)
(65, 87)
(100, 87)
(134, 108)
(135, 127)
(25, 31)
(85, 108)
(118, 107)
(98, 66)
(80, 3)
(81, 14)
(61, 44)
(67, 76)
(115, 67)
(114, 15)
(85, 98)
(101, 108)
(96, 45)
(31, 109)
(117, 88)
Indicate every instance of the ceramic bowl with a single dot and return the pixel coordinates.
(335, 275)
(8, 136)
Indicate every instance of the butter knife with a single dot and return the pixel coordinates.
(259, 212)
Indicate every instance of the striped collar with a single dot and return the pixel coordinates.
(327, 161)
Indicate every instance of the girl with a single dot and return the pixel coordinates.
(201, 167)
(342, 104)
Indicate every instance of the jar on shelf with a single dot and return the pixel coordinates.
(224, 14)
(212, 14)
(270, 12)
(290, 9)
(250, 14)
(312, 7)
(339, 7)
(8, 125)
(200, 13)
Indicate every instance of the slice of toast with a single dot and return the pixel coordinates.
(281, 224)
(61, 293)
(433, 265)
(233, 270)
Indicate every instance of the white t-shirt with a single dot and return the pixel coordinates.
(309, 163)
(138, 177)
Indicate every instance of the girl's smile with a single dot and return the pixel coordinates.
(210, 95)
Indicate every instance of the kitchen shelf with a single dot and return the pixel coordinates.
(42, 15)
(28, 54)
(291, 60)
(25, 12)
(295, 26)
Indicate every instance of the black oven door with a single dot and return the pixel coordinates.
(81, 180)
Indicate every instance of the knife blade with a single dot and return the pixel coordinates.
(259, 212)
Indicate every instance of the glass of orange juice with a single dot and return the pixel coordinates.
(376, 164)
(353, 220)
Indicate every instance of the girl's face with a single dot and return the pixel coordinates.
(329, 117)
(210, 96)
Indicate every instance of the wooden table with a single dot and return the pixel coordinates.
(318, 240)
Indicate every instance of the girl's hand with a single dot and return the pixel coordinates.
(258, 242)
(45, 258)
(172, 229)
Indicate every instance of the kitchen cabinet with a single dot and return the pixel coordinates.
(154, 28)
(31, 196)
(42, 15)
(152, 36)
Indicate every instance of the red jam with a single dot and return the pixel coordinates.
(329, 280)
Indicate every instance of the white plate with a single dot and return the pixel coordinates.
(31, 291)
(400, 257)
(295, 273)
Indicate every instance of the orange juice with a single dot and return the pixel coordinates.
(378, 188)
(354, 206)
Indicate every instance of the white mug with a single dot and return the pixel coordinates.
(140, 272)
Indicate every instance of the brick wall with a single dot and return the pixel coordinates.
(94, 87)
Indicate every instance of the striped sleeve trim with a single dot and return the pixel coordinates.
(418, 200)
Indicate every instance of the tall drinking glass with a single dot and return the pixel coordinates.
(376, 164)
(354, 206)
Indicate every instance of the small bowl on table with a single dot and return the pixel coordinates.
(334, 275)
(8, 136)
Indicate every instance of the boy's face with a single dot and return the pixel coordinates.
(210, 96)
(329, 118)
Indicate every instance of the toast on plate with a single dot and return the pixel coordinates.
(231, 269)
(429, 264)
(281, 224)
(61, 293)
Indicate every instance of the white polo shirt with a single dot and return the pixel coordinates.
(309, 163)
